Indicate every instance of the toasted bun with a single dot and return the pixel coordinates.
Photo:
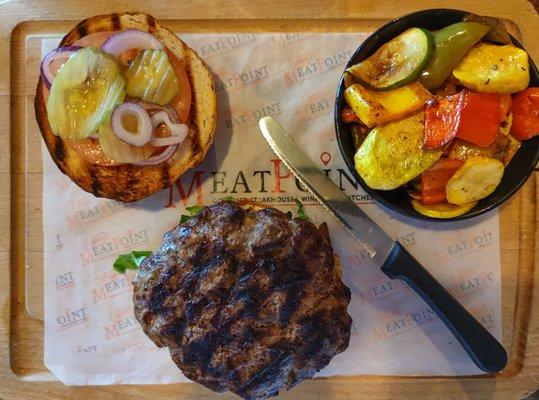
(129, 182)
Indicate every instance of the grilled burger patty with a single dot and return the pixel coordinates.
(247, 300)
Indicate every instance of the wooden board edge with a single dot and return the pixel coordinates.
(18, 192)
(529, 327)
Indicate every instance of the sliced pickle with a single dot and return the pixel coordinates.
(84, 93)
(121, 151)
(151, 78)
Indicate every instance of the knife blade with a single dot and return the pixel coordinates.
(396, 262)
(337, 203)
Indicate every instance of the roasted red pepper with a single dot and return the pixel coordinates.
(474, 117)
(526, 114)
(348, 115)
(434, 180)
(441, 120)
(480, 118)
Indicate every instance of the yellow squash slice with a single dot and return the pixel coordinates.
(442, 210)
(492, 68)
(393, 154)
(374, 107)
(477, 178)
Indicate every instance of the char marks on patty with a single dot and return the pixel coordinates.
(247, 300)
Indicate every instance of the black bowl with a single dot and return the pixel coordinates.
(516, 173)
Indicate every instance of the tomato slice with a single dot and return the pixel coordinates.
(182, 101)
(90, 150)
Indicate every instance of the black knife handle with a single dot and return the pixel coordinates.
(485, 351)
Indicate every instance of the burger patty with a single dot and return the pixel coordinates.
(246, 300)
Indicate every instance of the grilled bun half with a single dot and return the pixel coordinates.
(128, 182)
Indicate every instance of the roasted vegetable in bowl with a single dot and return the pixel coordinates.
(471, 105)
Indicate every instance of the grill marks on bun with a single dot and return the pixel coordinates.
(127, 182)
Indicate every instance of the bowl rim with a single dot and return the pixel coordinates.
(339, 98)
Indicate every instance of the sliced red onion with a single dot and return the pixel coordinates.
(160, 158)
(144, 124)
(57, 54)
(129, 40)
(178, 132)
(172, 114)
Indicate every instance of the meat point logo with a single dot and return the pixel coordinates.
(355, 260)
(455, 246)
(110, 284)
(71, 317)
(391, 325)
(234, 81)
(378, 286)
(484, 315)
(315, 105)
(85, 212)
(136, 347)
(264, 185)
(60, 184)
(65, 280)
(242, 118)
(211, 46)
(123, 322)
(102, 246)
(58, 242)
(306, 66)
(287, 39)
(407, 239)
(187, 184)
(87, 349)
(470, 280)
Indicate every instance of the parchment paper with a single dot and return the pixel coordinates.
(91, 335)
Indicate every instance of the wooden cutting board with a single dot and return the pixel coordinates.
(21, 336)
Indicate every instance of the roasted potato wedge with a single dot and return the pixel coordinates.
(476, 179)
(374, 107)
(442, 210)
(393, 154)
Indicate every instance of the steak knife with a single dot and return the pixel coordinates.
(485, 351)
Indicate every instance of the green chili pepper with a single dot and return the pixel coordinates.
(451, 45)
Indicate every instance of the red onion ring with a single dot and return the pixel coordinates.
(128, 40)
(160, 158)
(172, 114)
(62, 52)
(178, 132)
(144, 124)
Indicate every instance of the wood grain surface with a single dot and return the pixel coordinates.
(518, 217)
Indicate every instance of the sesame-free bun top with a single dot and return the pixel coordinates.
(128, 182)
